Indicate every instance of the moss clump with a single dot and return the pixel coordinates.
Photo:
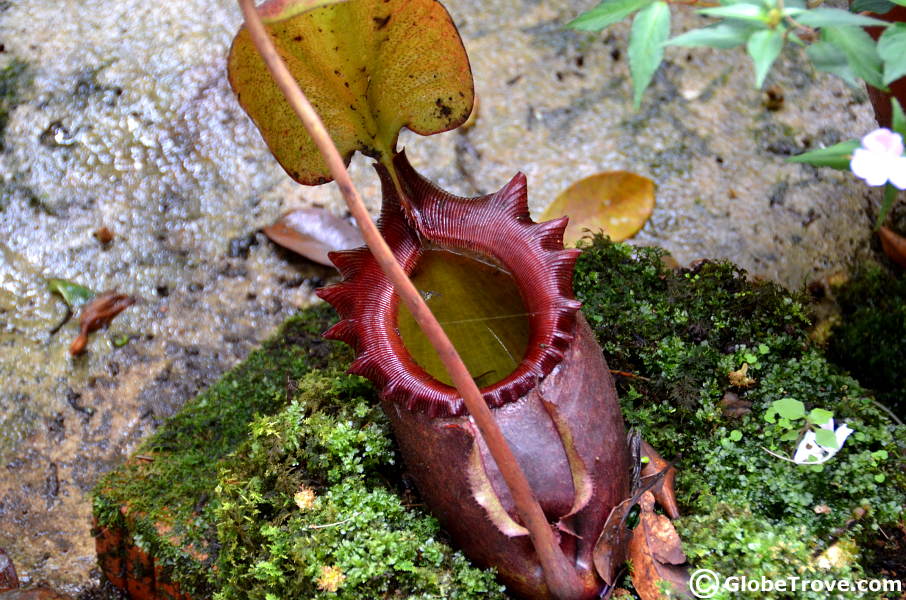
(677, 336)
(168, 486)
(281, 482)
(11, 79)
(305, 509)
(870, 341)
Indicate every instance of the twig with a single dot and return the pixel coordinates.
(326, 525)
(561, 577)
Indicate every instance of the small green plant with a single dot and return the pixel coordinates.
(832, 38)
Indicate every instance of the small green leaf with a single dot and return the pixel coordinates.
(607, 13)
(763, 349)
(892, 50)
(826, 438)
(890, 194)
(899, 119)
(789, 436)
(879, 455)
(819, 416)
(789, 408)
(121, 340)
(736, 435)
(879, 7)
(764, 47)
(880, 477)
(650, 29)
(741, 10)
(73, 294)
(832, 17)
(830, 59)
(724, 35)
(836, 156)
(860, 52)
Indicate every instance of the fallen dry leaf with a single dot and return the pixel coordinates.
(96, 314)
(665, 494)
(313, 232)
(8, 578)
(740, 378)
(615, 202)
(103, 235)
(894, 246)
(656, 554)
(734, 407)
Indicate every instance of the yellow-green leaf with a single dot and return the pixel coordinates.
(369, 67)
(615, 202)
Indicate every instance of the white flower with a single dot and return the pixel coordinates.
(810, 452)
(880, 159)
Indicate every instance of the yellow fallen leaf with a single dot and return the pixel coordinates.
(740, 378)
(615, 202)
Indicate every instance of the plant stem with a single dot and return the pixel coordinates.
(562, 579)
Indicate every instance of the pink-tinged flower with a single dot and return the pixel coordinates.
(880, 159)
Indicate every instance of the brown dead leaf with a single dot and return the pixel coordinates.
(615, 202)
(740, 378)
(8, 578)
(665, 495)
(656, 554)
(313, 232)
(103, 235)
(734, 407)
(894, 246)
(96, 314)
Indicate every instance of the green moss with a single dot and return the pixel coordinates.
(677, 335)
(12, 77)
(870, 342)
(172, 476)
(307, 496)
(284, 468)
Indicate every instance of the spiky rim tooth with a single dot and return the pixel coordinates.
(349, 262)
(344, 331)
(514, 197)
(533, 254)
(550, 233)
(341, 297)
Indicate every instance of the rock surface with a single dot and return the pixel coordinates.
(120, 117)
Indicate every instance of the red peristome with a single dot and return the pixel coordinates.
(497, 226)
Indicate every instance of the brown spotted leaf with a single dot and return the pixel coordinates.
(894, 246)
(96, 314)
(656, 554)
(313, 233)
(615, 202)
(369, 67)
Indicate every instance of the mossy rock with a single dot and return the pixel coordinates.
(870, 340)
(281, 480)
